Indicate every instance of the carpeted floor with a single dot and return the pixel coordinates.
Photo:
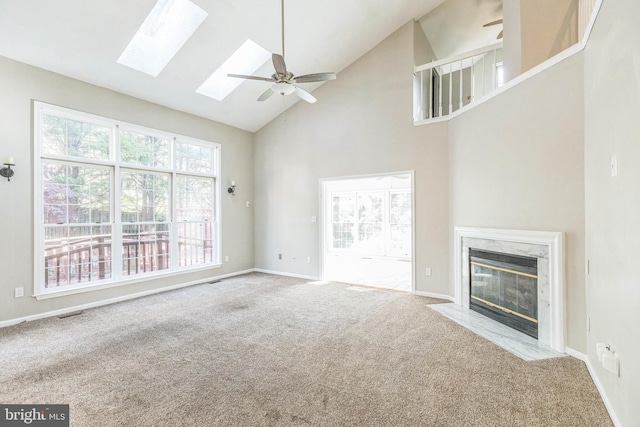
(262, 350)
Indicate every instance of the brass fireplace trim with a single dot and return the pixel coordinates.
(506, 310)
(506, 270)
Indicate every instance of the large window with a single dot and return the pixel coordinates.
(115, 201)
(374, 223)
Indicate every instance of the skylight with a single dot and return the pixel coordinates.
(165, 30)
(246, 60)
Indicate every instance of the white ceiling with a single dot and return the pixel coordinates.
(84, 38)
(455, 26)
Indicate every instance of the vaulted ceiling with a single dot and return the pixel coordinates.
(456, 26)
(83, 39)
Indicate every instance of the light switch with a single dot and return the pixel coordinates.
(614, 165)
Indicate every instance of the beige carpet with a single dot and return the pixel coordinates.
(269, 350)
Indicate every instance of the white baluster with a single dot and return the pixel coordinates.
(461, 75)
(472, 89)
(450, 88)
(440, 92)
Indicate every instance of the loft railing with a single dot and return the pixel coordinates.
(445, 86)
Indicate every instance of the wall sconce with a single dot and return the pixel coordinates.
(232, 189)
(7, 172)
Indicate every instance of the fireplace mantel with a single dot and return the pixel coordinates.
(547, 246)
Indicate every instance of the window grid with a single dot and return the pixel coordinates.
(372, 223)
(90, 167)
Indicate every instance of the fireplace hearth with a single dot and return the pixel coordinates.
(545, 246)
(504, 287)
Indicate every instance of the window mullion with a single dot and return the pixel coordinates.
(386, 222)
(117, 224)
(101, 171)
(173, 238)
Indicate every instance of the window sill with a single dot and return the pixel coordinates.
(145, 278)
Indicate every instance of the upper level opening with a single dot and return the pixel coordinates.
(465, 50)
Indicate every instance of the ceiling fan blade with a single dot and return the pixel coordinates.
(303, 94)
(279, 65)
(240, 76)
(500, 35)
(496, 22)
(266, 95)
(317, 77)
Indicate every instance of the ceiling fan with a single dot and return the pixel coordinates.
(496, 22)
(284, 81)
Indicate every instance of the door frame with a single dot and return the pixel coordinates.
(322, 226)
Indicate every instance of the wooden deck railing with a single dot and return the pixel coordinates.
(90, 259)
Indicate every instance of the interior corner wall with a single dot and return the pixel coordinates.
(516, 162)
(612, 128)
(20, 85)
(362, 124)
(423, 51)
(547, 28)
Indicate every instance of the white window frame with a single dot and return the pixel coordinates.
(386, 224)
(114, 163)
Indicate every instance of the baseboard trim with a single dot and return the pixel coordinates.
(578, 355)
(282, 273)
(11, 322)
(596, 381)
(432, 295)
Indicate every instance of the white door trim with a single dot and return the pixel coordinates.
(322, 230)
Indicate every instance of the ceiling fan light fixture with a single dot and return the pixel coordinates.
(283, 88)
(285, 81)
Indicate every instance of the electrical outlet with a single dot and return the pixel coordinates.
(427, 271)
(308, 260)
(294, 259)
(18, 292)
(226, 258)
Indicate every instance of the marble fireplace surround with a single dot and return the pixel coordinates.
(547, 247)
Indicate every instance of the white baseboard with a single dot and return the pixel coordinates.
(432, 295)
(75, 308)
(596, 381)
(578, 355)
(282, 273)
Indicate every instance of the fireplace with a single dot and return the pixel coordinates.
(504, 287)
(547, 247)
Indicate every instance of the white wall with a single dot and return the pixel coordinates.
(512, 41)
(361, 124)
(20, 85)
(612, 103)
(422, 49)
(516, 162)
